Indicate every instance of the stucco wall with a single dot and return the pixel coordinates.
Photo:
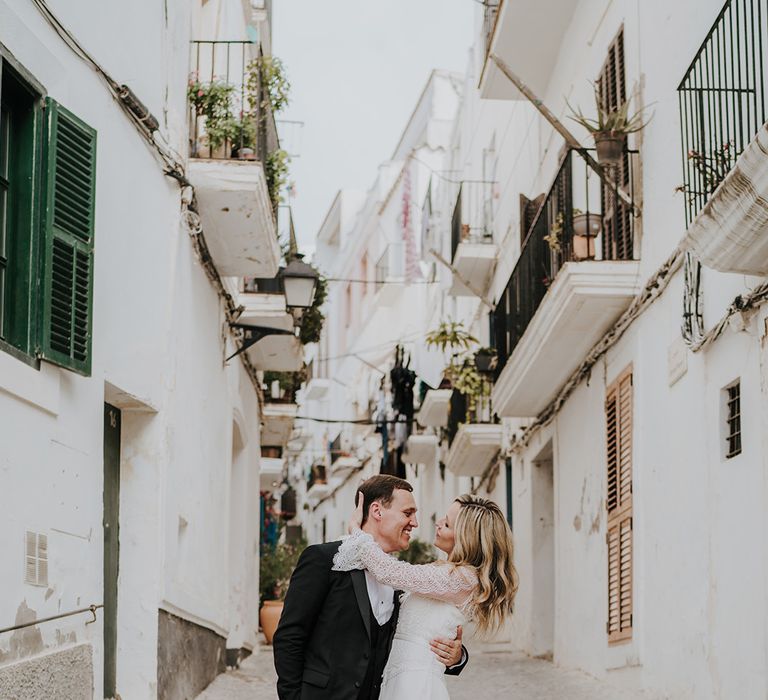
(66, 673)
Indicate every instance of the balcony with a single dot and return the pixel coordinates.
(317, 484)
(228, 154)
(527, 36)
(473, 252)
(421, 449)
(474, 437)
(725, 139)
(270, 471)
(280, 409)
(434, 408)
(575, 276)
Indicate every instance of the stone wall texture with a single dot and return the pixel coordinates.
(66, 674)
(189, 657)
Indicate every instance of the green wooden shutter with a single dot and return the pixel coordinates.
(69, 161)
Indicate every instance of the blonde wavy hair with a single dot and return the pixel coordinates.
(483, 541)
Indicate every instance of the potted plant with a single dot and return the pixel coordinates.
(610, 129)
(244, 135)
(585, 228)
(276, 565)
(485, 360)
(213, 102)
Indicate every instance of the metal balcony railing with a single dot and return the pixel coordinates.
(722, 99)
(465, 409)
(229, 109)
(581, 219)
(472, 220)
(490, 13)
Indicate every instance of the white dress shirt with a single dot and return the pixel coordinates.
(382, 599)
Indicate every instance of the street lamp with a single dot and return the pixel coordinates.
(299, 284)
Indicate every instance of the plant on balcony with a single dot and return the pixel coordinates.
(610, 129)
(213, 101)
(450, 335)
(418, 552)
(553, 238)
(276, 174)
(712, 167)
(289, 382)
(243, 138)
(312, 321)
(586, 226)
(485, 360)
(267, 73)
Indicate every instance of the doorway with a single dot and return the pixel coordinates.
(111, 521)
(543, 545)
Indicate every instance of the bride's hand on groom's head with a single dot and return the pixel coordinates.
(356, 521)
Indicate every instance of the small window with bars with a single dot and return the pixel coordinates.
(36, 558)
(732, 416)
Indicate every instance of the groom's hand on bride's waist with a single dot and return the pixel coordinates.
(448, 651)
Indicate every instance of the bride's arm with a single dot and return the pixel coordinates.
(439, 581)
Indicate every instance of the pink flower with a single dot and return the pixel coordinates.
(199, 93)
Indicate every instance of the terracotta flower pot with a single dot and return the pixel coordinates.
(586, 227)
(269, 616)
(610, 147)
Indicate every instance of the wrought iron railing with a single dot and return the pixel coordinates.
(472, 220)
(470, 409)
(722, 99)
(490, 13)
(229, 109)
(580, 219)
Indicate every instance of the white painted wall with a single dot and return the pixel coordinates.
(189, 512)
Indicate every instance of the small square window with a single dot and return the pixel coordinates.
(732, 416)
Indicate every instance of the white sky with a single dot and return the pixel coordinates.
(357, 68)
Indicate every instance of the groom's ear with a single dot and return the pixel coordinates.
(375, 510)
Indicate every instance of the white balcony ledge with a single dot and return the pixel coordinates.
(277, 353)
(730, 234)
(317, 491)
(317, 389)
(434, 409)
(473, 448)
(236, 215)
(421, 449)
(345, 463)
(270, 473)
(277, 423)
(527, 36)
(475, 263)
(584, 301)
(266, 310)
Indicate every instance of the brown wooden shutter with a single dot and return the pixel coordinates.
(617, 221)
(618, 411)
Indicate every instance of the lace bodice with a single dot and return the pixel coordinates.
(444, 582)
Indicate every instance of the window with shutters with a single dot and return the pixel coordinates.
(618, 411)
(617, 214)
(36, 558)
(47, 179)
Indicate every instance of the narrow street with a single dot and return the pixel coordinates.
(490, 674)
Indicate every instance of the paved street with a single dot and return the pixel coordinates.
(490, 674)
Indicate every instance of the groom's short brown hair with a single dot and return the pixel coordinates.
(380, 488)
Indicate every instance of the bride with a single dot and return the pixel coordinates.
(478, 582)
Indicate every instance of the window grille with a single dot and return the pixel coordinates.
(733, 427)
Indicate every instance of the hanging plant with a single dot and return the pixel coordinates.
(267, 73)
(450, 335)
(276, 174)
(312, 321)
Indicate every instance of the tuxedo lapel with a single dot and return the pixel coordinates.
(395, 616)
(363, 601)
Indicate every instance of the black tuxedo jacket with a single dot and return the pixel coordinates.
(322, 644)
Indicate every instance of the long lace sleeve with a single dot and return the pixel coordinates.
(440, 581)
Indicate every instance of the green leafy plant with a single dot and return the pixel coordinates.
(450, 335)
(312, 321)
(276, 564)
(614, 121)
(267, 74)
(276, 174)
(213, 101)
(290, 382)
(418, 552)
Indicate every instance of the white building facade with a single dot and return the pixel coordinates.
(131, 439)
(628, 408)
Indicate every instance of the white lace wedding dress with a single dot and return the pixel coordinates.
(436, 601)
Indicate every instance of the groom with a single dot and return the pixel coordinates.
(336, 629)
